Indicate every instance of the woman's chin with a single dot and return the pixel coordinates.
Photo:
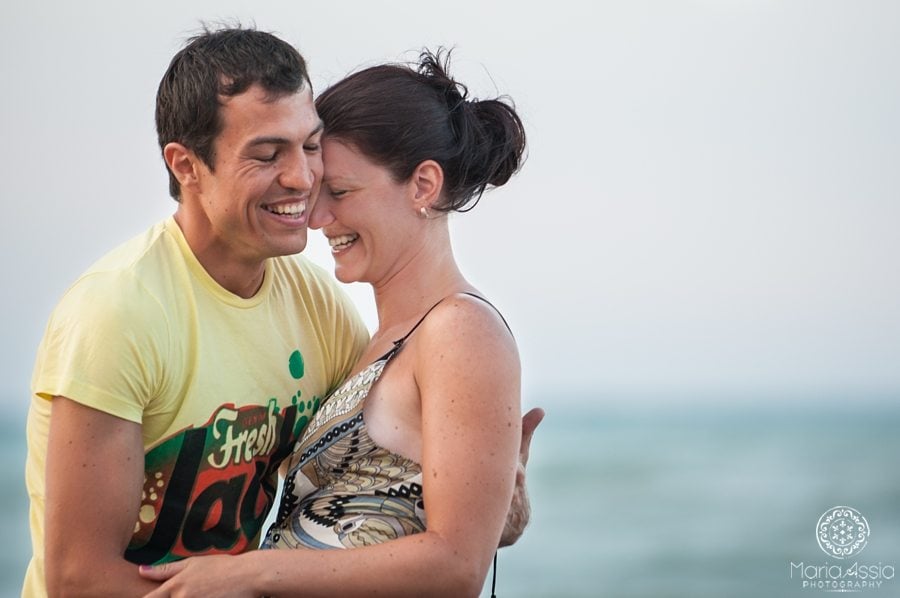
(345, 275)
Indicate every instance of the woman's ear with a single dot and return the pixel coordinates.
(183, 163)
(428, 181)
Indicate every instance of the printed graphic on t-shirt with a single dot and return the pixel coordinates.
(208, 489)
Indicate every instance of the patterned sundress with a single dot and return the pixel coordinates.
(342, 489)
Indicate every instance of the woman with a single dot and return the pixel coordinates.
(419, 447)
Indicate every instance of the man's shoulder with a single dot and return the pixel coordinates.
(300, 263)
(307, 286)
(127, 271)
(298, 271)
(131, 253)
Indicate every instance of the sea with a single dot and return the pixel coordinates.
(668, 500)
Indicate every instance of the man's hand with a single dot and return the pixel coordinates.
(520, 509)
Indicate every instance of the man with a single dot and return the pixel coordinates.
(177, 372)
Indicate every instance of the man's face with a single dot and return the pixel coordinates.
(267, 168)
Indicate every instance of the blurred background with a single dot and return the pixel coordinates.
(699, 258)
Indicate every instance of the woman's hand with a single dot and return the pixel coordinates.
(214, 576)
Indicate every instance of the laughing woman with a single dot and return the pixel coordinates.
(412, 462)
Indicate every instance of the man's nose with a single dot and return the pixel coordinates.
(298, 174)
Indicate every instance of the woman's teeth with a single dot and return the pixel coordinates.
(341, 242)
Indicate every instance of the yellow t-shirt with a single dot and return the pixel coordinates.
(222, 386)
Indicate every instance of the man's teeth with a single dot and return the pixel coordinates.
(288, 209)
(341, 241)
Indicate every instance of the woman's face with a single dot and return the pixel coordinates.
(367, 216)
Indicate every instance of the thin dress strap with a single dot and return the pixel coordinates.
(505, 323)
(399, 342)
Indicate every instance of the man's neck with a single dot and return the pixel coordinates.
(241, 278)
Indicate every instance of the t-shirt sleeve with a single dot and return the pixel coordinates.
(104, 346)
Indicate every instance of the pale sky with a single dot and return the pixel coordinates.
(709, 209)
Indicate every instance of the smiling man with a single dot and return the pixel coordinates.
(178, 371)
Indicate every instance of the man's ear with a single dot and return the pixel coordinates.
(427, 181)
(183, 164)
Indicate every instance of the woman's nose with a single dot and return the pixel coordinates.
(321, 215)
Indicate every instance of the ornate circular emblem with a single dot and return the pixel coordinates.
(842, 532)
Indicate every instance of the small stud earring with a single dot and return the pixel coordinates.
(424, 212)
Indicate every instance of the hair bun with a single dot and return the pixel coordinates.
(490, 134)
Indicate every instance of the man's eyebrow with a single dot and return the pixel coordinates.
(272, 140)
(267, 141)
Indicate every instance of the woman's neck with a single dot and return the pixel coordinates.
(427, 278)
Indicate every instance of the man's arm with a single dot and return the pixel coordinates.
(95, 477)
(520, 509)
